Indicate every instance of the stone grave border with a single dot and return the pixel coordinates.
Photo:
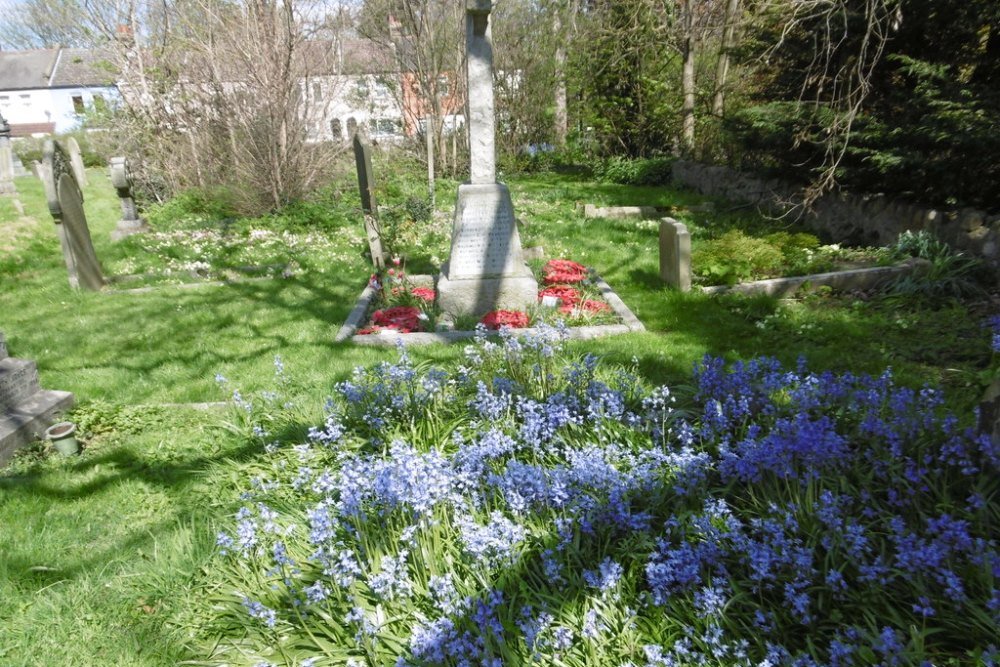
(357, 318)
(675, 263)
(849, 280)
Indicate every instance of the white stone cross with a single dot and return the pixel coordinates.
(479, 71)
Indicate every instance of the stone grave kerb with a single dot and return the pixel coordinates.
(65, 201)
(485, 270)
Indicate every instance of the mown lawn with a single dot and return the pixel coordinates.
(98, 554)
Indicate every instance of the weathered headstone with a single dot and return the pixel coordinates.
(19, 169)
(369, 207)
(485, 270)
(36, 169)
(76, 161)
(130, 223)
(66, 206)
(6, 160)
(26, 410)
(675, 254)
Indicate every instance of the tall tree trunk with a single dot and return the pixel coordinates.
(722, 68)
(429, 136)
(687, 79)
(561, 115)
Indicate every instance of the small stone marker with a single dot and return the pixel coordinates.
(26, 410)
(6, 160)
(36, 169)
(675, 254)
(130, 223)
(66, 206)
(363, 160)
(76, 160)
(485, 270)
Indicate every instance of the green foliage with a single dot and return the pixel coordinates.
(949, 273)
(195, 207)
(402, 224)
(736, 256)
(639, 171)
(929, 129)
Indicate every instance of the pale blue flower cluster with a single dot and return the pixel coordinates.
(557, 507)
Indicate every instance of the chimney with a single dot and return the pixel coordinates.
(395, 27)
(123, 33)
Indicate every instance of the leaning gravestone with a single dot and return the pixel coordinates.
(76, 161)
(26, 410)
(363, 160)
(66, 206)
(485, 270)
(6, 160)
(130, 223)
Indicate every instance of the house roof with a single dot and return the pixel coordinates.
(66, 68)
(20, 70)
(54, 68)
(84, 67)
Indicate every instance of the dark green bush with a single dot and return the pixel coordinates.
(196, 207)
(641, 171)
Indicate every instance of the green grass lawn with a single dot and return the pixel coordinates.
(98, 553)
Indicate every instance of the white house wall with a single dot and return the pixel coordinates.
(51, 105)
(363, 98)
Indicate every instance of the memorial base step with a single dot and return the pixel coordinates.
(27, 421)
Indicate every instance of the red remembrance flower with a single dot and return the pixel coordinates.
(514, 319)
(425, 293)
(564, 271)
(401, 318)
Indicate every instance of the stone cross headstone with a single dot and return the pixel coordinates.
(485, 270)
(66, 206)
(6, 160)
(363, 160)
(675, 254)
(130, 223)
(76, 161)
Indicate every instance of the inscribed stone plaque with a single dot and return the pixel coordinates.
(66, 206)
(483, 239)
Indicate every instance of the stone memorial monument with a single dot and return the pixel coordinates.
(6, 160)
(363, 160)
(66, 206)
(26, 409)
(76, 161)
(485, 270)
(130, 223)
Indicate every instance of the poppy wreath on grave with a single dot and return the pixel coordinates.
(514, 319)
(563, 271)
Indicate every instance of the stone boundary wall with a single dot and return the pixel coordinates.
(847, 217)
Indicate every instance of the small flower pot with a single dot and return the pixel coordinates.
(63, 438)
